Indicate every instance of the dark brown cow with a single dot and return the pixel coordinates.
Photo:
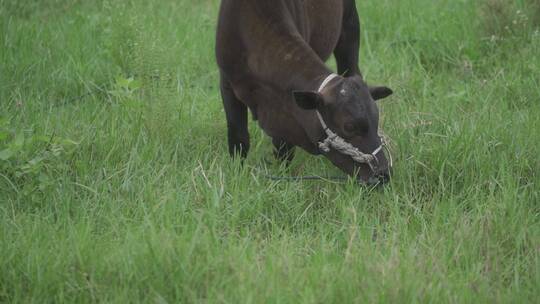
(271, 56)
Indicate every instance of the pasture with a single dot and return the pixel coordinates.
(116, 184)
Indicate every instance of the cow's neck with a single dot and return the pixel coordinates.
(306, 74)
(291, 66)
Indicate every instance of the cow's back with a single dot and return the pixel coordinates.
(265, 29)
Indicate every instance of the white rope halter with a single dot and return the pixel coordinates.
(335, 141)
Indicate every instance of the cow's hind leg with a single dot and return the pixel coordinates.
(283, 151)
(237, 121)
(347, 49)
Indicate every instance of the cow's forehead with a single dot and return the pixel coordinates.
(353, 91)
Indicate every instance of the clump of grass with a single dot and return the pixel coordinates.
(503, 20)
(534, 12)
(29, 161)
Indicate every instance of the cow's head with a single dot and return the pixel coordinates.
(348, 107)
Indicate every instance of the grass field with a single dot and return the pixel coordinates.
(116, 184)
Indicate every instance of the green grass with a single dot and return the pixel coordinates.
(116, 186)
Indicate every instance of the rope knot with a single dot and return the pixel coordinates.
(326, 144)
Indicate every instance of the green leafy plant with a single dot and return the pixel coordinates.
(125, 87)
(28, 160)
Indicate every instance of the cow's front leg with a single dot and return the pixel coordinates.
(283, 151)
(237, 121)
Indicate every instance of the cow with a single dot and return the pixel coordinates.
(271, 57)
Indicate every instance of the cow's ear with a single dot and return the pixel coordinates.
(308, 100)
(380, 92)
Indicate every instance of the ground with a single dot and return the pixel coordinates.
(116, 184)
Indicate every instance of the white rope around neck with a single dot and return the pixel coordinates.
(335, 141)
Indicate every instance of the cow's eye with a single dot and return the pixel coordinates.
(349, 127)
(358, 127)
